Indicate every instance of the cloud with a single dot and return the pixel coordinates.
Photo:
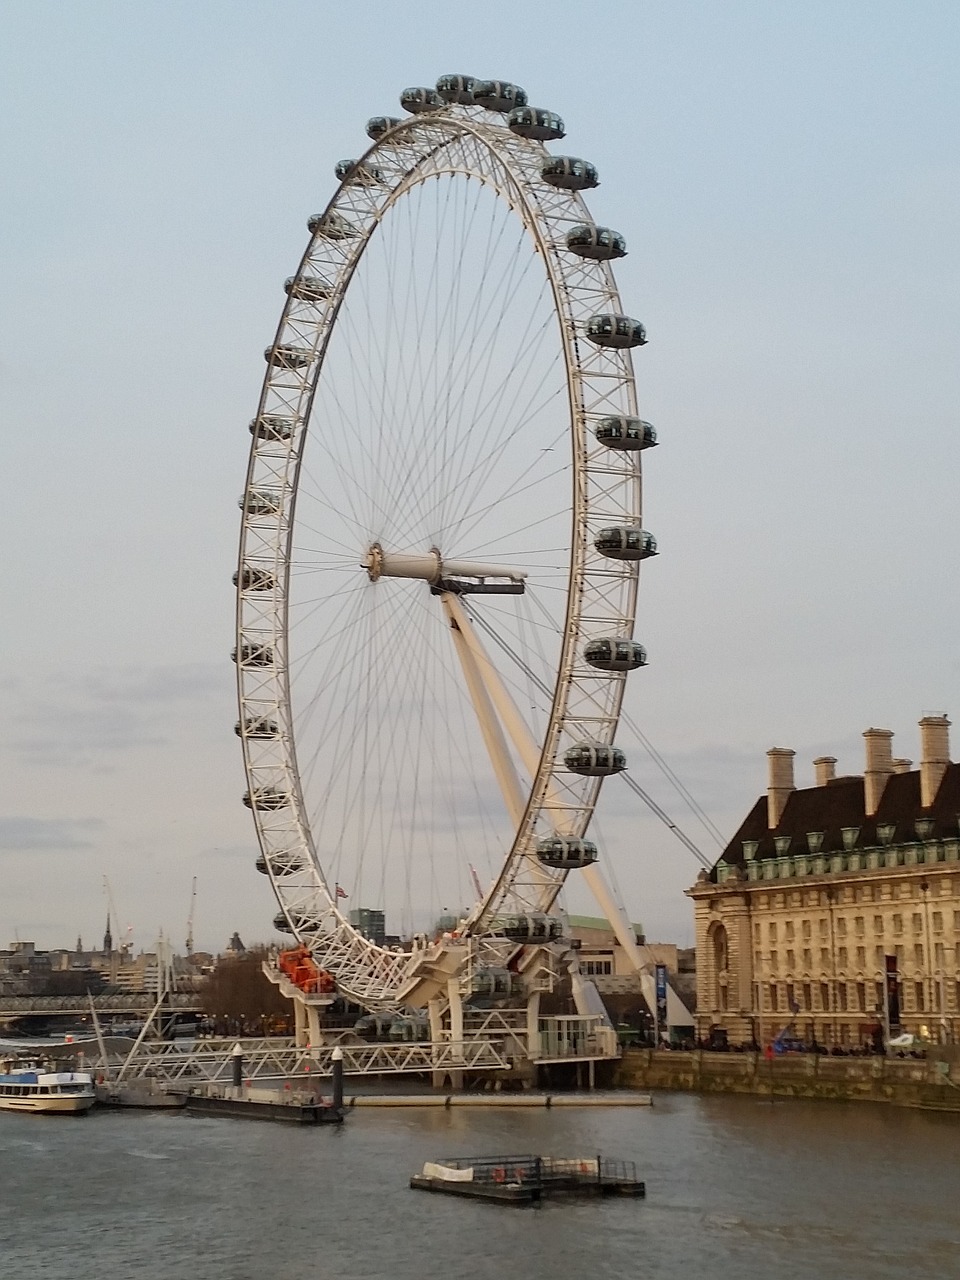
(22, 834)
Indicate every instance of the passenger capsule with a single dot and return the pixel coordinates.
(270, 426)
(494, 984)
(626, 434)
(364, 175)
(598, 243)
(261, 502)
(569, 174)
(456, 89)
(626, 542)
(594, 759)
(534, 122)
(419, 100)
(332, 226)
(281, 864)
(253, 655)
(307, 288)
(613, 654)
(287, 357)
(498, 95)
(566, 853)
(377, 126)
(257, 727)
(254, 580)
(266, 798)
(616, 331)
(531, 928)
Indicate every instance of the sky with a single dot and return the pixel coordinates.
(788, 180)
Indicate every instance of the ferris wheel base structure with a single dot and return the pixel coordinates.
(441, 527)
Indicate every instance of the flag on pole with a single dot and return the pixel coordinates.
(340, 893)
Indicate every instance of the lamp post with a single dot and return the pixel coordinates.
(927, 976)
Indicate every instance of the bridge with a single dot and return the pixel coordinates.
(126, 1003)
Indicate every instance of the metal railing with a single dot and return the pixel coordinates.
(118, 1002)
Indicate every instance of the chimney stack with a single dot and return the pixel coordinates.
(902, 765)
(824, 769)
(879, 767)
(779, 782)
(934, 756)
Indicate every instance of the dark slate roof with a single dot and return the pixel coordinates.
(840, 804)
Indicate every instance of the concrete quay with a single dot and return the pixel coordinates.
(932, 1083)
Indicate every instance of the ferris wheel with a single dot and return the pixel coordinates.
(440, 541)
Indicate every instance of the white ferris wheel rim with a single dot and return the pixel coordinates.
(601, 593)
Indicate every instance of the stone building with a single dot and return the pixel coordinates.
(820, 885)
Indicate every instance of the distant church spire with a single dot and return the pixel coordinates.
(108, 939)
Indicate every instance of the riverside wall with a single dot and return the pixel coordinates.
(933, 1082)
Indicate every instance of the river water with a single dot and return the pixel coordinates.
(736, 1187)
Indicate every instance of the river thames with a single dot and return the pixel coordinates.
(736, 1187)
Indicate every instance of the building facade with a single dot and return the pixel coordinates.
(796, 921)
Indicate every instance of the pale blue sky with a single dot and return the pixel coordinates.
(788, 181)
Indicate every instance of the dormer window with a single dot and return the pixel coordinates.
(850, 836)
(924, 828)
(814, 841)
(750, 848)
(885, 832)
(782, 845)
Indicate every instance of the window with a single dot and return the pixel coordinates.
(773, 931)
(861, 957)
(878, 956)
(756, 932)
(824, 996)
(824, 957)
(842, 957)
(898, 923)
(792, 1005)
(917, 922)
(774, 958)
(842, 997)
(758, 958)
(938, 922)
(807, 997)
(956, 921)
(918, 996)
(918, 954)
(788, 930)
(878, 925)
(861, 997)
(595, 968)
(808, 957)
(806, 929)
(773, 996)
(858, 926)
(939, 956)
(791, 961)
(842, 927)
(824, 928)
(898, 952)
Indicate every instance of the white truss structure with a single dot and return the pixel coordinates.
(601, 592)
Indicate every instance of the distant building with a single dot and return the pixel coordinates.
(371, 923)
(820, 885)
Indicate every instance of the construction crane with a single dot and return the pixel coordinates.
(193, 906)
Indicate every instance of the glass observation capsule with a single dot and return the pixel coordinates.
(331, 225)
(377, 126)
(253, 655)
(266, 798)
(609, 653)
(456, 89)
(493, 984)
(626, 434)
(257, 727)
(418, 100)
(306, 288)
(498, 95)
(566, 853)
(599, 243)
(534, 122)
(254, 579)
(532, 928)
(260, 502)
(282, 864)
(270, 426)
(365, 175)
(569, 174)
(594, 759)
(287, 357)
(616, 331)
(625, 542)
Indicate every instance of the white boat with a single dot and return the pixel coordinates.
(57, 1092)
